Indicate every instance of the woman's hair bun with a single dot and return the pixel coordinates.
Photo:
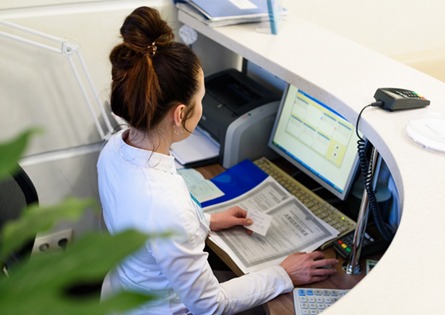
(151, 72)
(143, 27)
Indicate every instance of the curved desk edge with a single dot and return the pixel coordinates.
(345, 75)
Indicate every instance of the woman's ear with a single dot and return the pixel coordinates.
(178, 114)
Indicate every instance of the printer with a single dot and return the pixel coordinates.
(239, 114)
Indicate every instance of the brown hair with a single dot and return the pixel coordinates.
(151, 73)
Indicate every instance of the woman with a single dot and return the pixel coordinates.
(157, 88)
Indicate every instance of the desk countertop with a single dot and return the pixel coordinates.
(409, 277)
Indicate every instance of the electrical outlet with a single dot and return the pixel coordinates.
(53, 241)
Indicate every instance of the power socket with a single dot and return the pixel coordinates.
(53, 241)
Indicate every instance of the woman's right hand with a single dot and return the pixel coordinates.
(304, 268)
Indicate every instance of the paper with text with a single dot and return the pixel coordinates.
(201, 188)
(293, 228)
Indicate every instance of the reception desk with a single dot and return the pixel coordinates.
(409, 278)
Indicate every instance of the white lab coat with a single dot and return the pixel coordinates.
(142, 190)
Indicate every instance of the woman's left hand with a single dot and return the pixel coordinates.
(228, 218)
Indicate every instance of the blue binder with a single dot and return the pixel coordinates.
(236, 181)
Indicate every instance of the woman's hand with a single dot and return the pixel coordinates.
(305, 268)
(228, 218)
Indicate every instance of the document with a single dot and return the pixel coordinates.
(229, 9)
(293, 228)
(198, 149)
(261, 221)
(200, 188)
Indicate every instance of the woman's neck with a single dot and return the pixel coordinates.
(154, 141)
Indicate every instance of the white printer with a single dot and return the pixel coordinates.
(238, 113)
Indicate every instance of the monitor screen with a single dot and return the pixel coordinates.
(317, 140)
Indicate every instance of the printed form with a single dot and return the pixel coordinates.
(293, 228)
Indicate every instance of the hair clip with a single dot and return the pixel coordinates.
(151, 49)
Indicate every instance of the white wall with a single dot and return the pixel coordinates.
(38, 88)
(412, 31)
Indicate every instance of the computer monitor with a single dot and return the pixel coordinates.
(317, 140)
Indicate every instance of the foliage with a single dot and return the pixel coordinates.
(10, 152)
(56, 282)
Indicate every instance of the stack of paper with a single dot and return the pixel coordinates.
(225, 12)
(198, 149)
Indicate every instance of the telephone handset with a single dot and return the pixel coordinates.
(398, 99)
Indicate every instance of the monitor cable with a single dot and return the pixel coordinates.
(384, 229)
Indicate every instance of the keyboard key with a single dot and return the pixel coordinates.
(321, 300)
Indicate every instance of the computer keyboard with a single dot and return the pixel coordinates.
(308, 301)
(321, 208)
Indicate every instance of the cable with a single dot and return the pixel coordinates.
(375, 104)
(365, 167)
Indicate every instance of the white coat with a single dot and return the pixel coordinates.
(141, 190)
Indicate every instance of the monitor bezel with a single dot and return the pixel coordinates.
(342, 195)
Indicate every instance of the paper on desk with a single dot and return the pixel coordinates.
(293, 228)
(199, 146)
(201, 188)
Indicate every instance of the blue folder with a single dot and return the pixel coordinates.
(236, 181)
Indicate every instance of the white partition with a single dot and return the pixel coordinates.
(38, 88)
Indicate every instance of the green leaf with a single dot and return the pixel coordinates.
(12, 151)
(44, 285)
(37, 219)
